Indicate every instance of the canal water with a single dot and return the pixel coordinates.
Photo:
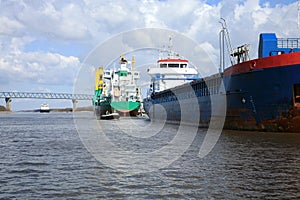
(51, 156)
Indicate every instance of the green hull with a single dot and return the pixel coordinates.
(102, 107)
(125, 106)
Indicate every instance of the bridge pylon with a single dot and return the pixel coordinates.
(8, 103)
(74, 101)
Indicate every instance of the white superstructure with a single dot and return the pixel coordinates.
(170, 72)
(122, 82)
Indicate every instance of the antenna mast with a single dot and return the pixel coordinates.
(170, 46)
(224, 38)
(298, 23)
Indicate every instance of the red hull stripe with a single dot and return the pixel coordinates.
(172, 60)
(262, 63)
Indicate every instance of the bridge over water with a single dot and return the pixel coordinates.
(47, 95)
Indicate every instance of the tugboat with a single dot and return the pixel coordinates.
(123, 90)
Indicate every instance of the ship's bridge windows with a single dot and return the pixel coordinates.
(163, 65)
(123, 73)
(183, 65)
(173, 65)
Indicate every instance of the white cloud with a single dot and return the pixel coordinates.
(205, 22)
(9, 26)
(260, 17)
(46, 19)
(39, 68)
(88, 23)
(246, 8)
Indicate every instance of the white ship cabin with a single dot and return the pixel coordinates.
(169, 73)
(123, 72)
(122, 82)
(44, 108)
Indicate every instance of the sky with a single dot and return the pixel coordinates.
(44, 45)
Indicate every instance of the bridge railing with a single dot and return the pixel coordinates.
(288, 42)
(36, 95)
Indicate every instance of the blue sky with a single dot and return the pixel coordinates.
(44, 44)
(262, 2)
(276, 2)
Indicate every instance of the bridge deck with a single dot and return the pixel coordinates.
(35, 95)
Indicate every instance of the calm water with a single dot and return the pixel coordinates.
(42, 156)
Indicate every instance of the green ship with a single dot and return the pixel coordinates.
(101, 101)
(125, 95)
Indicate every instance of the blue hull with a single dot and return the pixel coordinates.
(266, 99)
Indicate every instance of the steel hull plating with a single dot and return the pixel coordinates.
(105, 108)
(44, 111)
(126, 108)
(127, 113)
(262, 99)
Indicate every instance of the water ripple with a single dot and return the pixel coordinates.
(42, 157)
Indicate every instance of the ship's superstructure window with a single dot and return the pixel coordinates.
(183, 65)
(173, 65)
(123, 73)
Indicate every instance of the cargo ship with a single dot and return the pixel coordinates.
(261, 94)
(116, 91)
(124, 93)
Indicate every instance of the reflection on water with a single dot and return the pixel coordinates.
(42, 156)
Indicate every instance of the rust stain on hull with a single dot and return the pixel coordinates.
(286, 122)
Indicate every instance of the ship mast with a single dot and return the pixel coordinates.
(132, 68)
(224, 38)
(170, 47)
(298, 22)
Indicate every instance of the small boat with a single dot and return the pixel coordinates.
(44, 108)
(110, 116)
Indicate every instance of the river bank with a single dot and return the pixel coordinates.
(3, 110)
(88, 108)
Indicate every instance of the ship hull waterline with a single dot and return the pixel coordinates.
(126, 108)
(266, 99)
(107, 110)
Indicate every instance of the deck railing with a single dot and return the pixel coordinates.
(288, 43)
(34, 95)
